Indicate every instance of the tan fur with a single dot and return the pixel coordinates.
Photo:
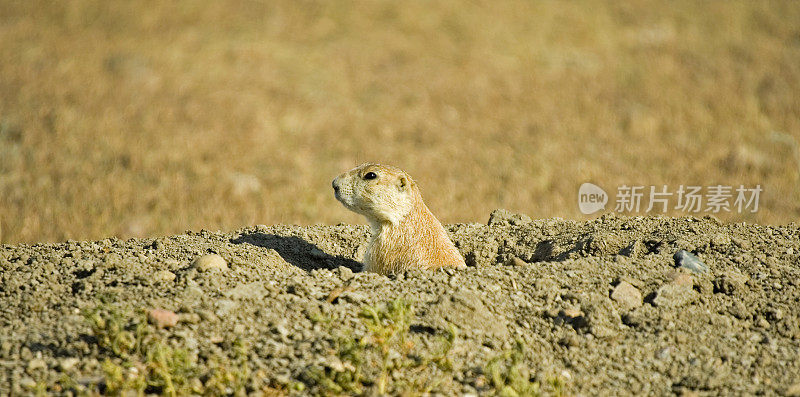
(405, 234)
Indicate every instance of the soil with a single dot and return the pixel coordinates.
(600, 306)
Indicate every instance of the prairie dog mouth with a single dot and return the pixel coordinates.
(342, 193)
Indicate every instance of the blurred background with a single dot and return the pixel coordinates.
(145, 118)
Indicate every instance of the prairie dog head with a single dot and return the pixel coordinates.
(379, 192)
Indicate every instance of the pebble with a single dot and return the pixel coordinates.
(68, 363)
(687, 260)
(35, 364)
(210, 262)
(344, 273)
(164, 275)
(679, 277)
(674, 294)
(572, 312)
(516, 261)
(627, 295)
(162, 318)
(27, 383)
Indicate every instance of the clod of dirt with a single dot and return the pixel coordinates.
(501, 216)
(676, 293)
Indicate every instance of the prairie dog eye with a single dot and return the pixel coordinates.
(370, 175)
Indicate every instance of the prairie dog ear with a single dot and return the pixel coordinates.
(402, 183)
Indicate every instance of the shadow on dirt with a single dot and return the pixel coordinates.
(297, 251)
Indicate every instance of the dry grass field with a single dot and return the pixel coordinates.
(135, 118)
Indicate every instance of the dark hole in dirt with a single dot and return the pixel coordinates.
(422, 329)
(649, 298)
(81, 273)
(653, 246)
(55, 349)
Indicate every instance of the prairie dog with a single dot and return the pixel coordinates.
(405, 234)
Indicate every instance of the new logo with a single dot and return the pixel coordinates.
(591, 198)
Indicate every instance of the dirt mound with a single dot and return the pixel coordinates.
(550, 306)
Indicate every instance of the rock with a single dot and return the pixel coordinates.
(36, 364)
(344, 273)
(210, 262)
(68, 363)
(680, 277)
(516, 261)
(501, 216)
(162, 318)
(626, 295)
(571, 312)
(27, 383)
(164, 276)
(687, 260)
(675, 294)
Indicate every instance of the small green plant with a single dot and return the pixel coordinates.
(388, 326)
(557, 385)
(111, 329)
(229, 376)
(142, 361)
(348, 378)
(508, 375)
(121, 378)
(375, 359)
